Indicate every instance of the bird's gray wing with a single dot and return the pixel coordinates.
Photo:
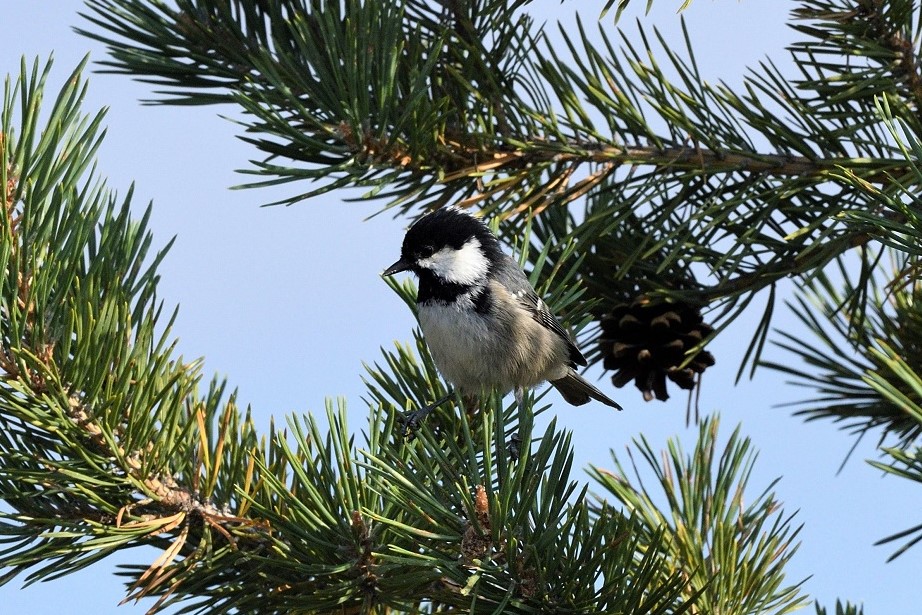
(517, 284)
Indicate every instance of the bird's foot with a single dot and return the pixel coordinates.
(514, 446)
(412, 420)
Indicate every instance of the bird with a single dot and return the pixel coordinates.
(484, 324)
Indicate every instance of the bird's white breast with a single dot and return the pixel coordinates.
(458, 340)
(503, 349)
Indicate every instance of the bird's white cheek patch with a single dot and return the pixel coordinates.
(466, 266)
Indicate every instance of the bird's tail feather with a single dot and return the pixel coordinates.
(577, 391)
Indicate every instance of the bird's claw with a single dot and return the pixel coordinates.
(514, 446)
(411, 421)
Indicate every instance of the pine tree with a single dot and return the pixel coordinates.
(649, 207)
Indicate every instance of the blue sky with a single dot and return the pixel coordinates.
(287, 303)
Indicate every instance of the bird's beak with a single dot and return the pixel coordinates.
(397, 267)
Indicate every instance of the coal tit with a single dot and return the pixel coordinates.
(484, 324)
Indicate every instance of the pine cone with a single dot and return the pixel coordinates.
(646, 342)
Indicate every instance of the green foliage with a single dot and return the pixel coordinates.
(106, 442)
(904, 463)
(732, 553)
(874, 384)
(527, 541)
(674, 180)
(616, 172)
(317, 94)
(103, 434)
(870, 387)
(841, 609)
(623, 4)
(876, 314)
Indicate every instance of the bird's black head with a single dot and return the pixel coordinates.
(449, 245)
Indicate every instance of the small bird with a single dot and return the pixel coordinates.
(485, 325)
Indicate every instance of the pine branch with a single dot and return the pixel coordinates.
(106, 443)
(875, 314)
(214, 46)
(876, 33)
(469, 103)
(731, 552)
(841, 609)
